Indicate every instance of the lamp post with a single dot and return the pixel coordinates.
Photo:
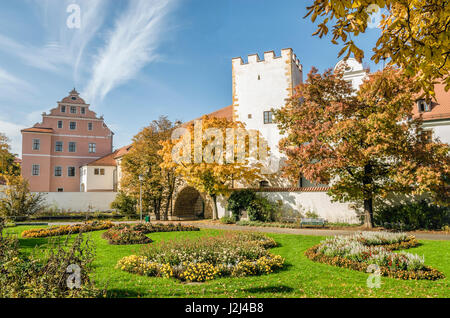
(141, 177)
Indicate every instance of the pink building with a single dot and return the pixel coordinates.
(69, 137)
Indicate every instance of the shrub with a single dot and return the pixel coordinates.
(17, 200)
(262, 209)
(239, 201)
(125, 204)
(47, 276)
(67, 229)
(227, 220)
(361, 250)
(205, 258)
(412, 216)
(258, 207)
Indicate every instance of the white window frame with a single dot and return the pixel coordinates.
(74, 172)
(38, 170)
(38, 144)
(54, 171)
(75, 146)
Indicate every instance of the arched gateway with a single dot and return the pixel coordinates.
(189, 204)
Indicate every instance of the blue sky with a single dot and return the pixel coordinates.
(136, 60)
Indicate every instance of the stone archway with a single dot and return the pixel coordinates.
(189, 204)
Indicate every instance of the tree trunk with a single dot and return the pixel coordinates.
(215, 212)
(368, 196)
(368, 213)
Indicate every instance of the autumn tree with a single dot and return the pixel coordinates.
(212, 154)
(158, 184)
(366, 144)
(415, 35)
(7, 159)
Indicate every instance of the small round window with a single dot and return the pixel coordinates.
(74, 98)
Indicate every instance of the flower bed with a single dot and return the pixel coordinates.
(123, 234)
(199, 260)
(360, 250)
(147, 228)
(67, 229)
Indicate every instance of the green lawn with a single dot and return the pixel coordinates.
(300, 277)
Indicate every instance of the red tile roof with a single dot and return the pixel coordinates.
(226, 112)
(38, 130)
(107, 160)
(122, 151)
(440, 106)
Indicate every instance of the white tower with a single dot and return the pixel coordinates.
(259, 86)
(353, 72)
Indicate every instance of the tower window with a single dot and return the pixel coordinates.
(268, 117)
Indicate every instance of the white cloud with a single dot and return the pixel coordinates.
(12, 87)
(12, 131)
(130, 46)
(63, 47)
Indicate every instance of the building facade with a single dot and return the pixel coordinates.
(70, 136)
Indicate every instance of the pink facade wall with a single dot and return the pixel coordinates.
(48, 158)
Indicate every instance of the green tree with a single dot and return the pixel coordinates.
(158, 184)
(125, 204)
(7, 159)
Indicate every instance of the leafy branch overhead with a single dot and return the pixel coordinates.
(415, 35)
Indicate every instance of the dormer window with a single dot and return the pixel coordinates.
(423, 106)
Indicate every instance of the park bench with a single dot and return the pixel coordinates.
(314, 222)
